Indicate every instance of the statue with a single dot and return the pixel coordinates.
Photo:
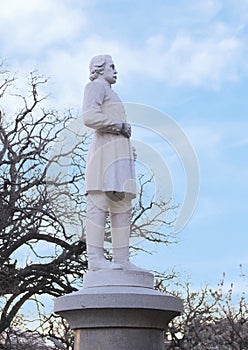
(110, 174)
(117, 306)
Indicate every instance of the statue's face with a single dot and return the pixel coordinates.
(110, 73)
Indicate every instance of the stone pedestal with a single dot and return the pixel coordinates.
(118, 310)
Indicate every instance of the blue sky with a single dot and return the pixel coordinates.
(187, 59)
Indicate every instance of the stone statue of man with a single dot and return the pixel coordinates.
(110, 175)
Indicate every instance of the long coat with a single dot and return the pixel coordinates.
(110, 164)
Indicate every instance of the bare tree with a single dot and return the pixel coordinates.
(28, 223)
(213, 319)
(28, 340)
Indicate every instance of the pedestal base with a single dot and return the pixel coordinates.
(118, 310)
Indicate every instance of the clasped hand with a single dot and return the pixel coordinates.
(126, 130)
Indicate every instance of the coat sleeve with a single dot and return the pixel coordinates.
(93, 116)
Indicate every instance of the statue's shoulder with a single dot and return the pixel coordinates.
(95, 85)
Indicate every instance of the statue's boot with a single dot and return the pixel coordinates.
(121, 257)
(97, 261)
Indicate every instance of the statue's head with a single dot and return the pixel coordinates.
(99, 65)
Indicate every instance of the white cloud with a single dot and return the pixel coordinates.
(55, 36)
(28, 27)
(13, 9)
(187, 60)
(203, 63)
(184, 60)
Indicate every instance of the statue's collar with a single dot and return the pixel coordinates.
(103, 81)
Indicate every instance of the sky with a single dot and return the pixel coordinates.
(185, 59)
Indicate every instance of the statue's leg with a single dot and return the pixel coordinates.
(120, 216)
(95, 231)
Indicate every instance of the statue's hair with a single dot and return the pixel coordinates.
(97, 64)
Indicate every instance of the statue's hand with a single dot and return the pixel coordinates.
(115, 195)
(126, 130)
(118, 129)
